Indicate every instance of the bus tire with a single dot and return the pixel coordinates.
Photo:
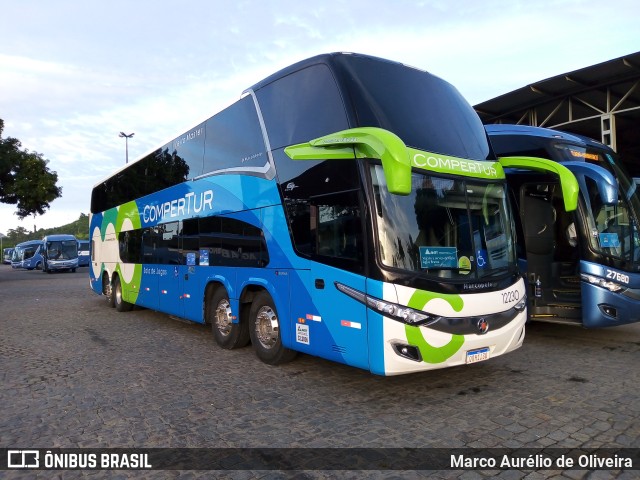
(39, 266)
(227, 334)
(120, 304)
(265, 332)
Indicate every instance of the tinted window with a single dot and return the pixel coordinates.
(222, 241)
(157, 171)
(323, 209)
(426, 112)
(189, 149)
(302, 106)
(232, 242)
(521, 145)
(130, 244)
(167, 244)
(234, 138)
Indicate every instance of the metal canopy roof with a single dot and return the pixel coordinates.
(601, 101)
(589, 85)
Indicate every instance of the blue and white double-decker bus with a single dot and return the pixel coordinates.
(347, 207)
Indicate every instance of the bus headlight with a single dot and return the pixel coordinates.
(601, 282)
(394, 311)
(521, 305)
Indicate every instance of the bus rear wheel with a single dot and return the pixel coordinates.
(119, 302)
(227, 334)
(265, 332)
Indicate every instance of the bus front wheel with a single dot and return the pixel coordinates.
(227, 334)
(265, 332)
(120, 304)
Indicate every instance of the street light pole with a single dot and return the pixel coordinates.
(126, 143)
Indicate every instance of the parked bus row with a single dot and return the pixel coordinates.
(52, 253)
(6, 255)
(347, 207)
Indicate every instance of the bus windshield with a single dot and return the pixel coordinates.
(23, 253)
(456, 228)
(613, 228)
(62, 249)
(402, 100)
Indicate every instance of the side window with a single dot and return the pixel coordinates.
(168, 244)
(336, 219)
(324, 213)
(190, 242)
(234, 139)
(304, 105)
(232, 242)
(183, 156)
(225, 241)
(158, 170)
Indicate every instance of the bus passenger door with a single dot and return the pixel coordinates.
(192, 274)
(169, 268)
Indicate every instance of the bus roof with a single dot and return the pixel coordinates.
(336, 60)
(28, 243)
(59, 236)
(543, 132)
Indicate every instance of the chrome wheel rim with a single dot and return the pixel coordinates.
(223, 317)
(267, 327)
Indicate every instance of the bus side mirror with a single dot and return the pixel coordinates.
(568, 181)
(363, 142)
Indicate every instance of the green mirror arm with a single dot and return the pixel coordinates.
(363, 142)
(568, 181)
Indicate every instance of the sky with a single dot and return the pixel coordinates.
(73, 74)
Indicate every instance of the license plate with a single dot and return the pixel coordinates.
(478, 355)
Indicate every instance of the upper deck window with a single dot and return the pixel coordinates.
(304, 105)
(234, 139)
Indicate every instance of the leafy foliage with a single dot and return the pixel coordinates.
(78, 228)
(25, 179)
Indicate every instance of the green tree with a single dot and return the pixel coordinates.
(18, 235)
(25, 179)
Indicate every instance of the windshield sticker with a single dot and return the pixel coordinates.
(609, 240)
(481, 258)
(438, 257)
(464, 264)
(204, 256)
